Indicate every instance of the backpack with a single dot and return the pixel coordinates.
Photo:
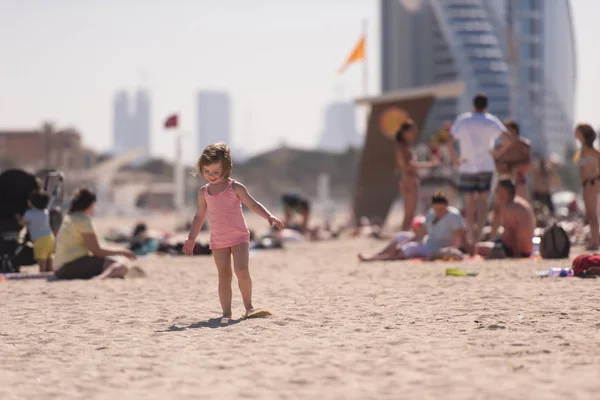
(555, 243)
(586, 265)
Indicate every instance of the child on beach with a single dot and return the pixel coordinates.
(37, 220)
(221, 198)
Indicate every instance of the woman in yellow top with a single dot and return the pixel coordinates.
(78, 254)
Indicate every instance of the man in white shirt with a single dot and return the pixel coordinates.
(476, 133)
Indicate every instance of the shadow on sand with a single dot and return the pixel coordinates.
(212, 323)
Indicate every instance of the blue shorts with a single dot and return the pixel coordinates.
(475, 183)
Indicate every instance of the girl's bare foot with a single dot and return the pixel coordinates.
(592, 247)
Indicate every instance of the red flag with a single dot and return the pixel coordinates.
(172, 121)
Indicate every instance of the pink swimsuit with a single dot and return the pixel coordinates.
(227, 224)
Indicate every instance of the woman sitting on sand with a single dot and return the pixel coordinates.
(439, 236)
(408, 166)
(78, 253)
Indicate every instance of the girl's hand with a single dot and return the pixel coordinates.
(128, 253)
(274, 221)
(188, 247)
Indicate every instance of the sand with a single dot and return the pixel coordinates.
(340, 330)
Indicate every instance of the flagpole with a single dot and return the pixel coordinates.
(178, 174)
(365, 76)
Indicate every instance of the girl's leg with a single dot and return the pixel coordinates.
(242, 272)
(43, 265)
(222, 259)
(410, 194)
(113, 269)
(590, 194)
(496, 222)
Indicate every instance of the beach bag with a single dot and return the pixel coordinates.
(555, 243)
(586, 265)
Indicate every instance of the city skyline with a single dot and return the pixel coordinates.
(67, 69)
(131, 123)
(213, 118)
(339, 127)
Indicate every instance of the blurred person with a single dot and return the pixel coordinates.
(587, 159)
(441, 234)
(515, 171)
(294, 203)
(543, 170)
(476, 133)
(408, 166)
(518, 221)
(222, 199)
(78, 253)
(37, 220)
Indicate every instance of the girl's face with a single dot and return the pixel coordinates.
(579, 136)
(89, 211)
(213, 172)
(410, 135)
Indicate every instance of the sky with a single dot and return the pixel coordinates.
(64, 60)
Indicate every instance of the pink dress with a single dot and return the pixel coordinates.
(227, 224)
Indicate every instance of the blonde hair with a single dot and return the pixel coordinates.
(213, 153)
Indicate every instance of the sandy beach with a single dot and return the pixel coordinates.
(340, 330)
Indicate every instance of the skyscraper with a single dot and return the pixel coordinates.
(214, 118)
(121, 123)
(339, 131)
(131, 126)
(520, 53)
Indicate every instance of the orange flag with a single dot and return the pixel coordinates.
(358, 54)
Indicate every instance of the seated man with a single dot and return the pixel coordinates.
(518, 221)
(441, 236)
(295, 203)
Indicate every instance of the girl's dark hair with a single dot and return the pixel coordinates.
(512, 124)
(588, 133)
(406, 126)
(82, 200)
(39, 199)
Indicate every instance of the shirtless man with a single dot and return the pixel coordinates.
(518, 220)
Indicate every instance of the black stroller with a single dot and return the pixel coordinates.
(16, 249)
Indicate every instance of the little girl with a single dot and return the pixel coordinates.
(229, 235)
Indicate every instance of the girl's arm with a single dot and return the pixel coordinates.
(199, 217)
(453, 156)
(91, 241)
(257, 208)
(425, 164)
(406, 164)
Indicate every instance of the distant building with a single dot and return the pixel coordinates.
(520, 53)
(131, 125)
(213, 118)
(339, 131)
(37, 149)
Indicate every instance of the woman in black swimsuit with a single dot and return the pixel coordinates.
(588, 171)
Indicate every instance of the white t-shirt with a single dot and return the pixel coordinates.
(476, 133)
